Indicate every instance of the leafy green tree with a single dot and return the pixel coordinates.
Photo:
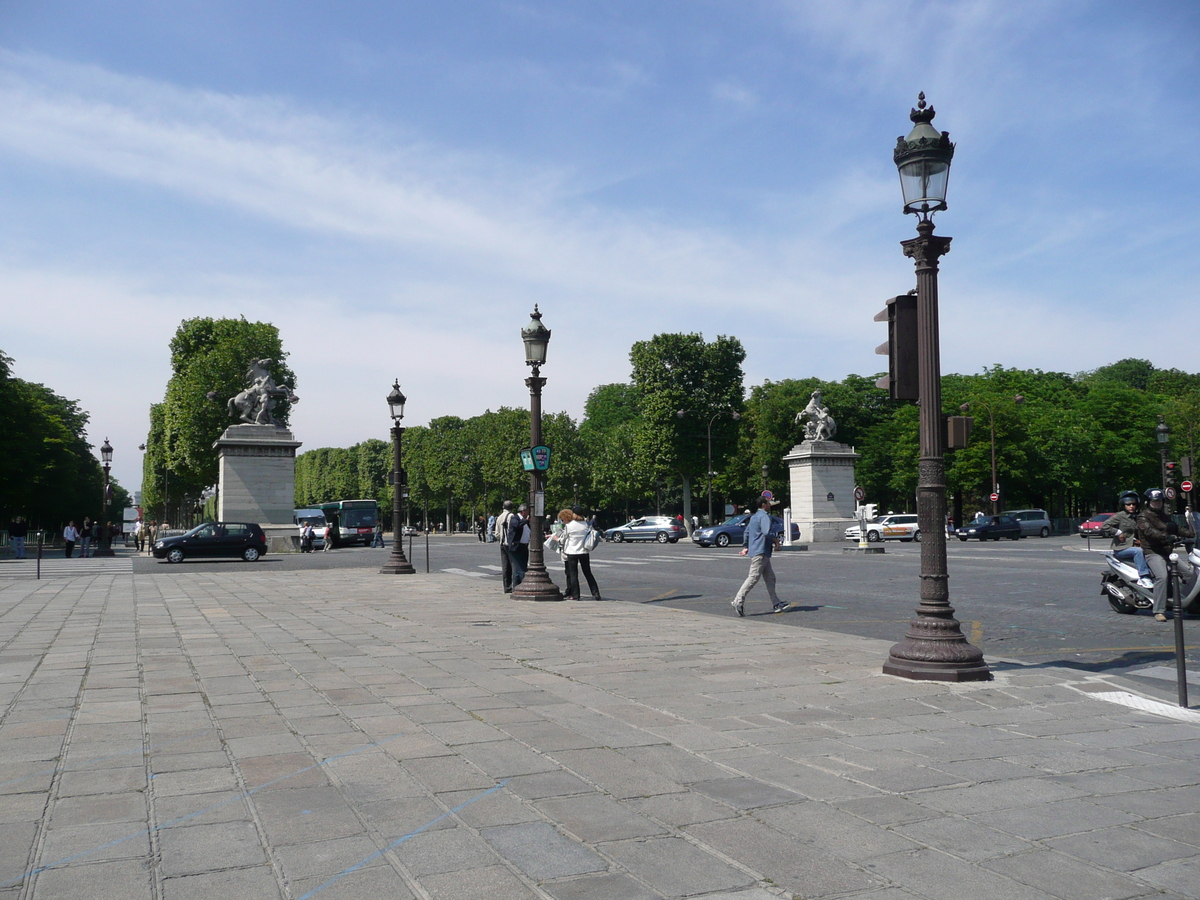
(206, 355)
(673, 372)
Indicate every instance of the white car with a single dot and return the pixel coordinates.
(899, 527)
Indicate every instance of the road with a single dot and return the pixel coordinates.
(1033, 602)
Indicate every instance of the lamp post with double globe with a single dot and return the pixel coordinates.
(934, 648)
(105, 548)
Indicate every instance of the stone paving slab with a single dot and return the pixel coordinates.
(342, 734)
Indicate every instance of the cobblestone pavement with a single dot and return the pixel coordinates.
(341, 734)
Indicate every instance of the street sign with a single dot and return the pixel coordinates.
(535, 459)
(860, 495)
(995, 497)
(527, 459)
(1170, 492)
(1186, 487)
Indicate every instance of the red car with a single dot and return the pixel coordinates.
(1091, 528)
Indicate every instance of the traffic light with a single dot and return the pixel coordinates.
(1185, 466)
(901, 381)
(1171, 469)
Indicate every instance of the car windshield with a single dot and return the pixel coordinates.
(735, 520)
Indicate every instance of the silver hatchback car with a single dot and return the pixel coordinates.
(663, 529)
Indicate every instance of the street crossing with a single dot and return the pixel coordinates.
(61, 567)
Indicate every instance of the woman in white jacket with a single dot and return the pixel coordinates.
(575, 555)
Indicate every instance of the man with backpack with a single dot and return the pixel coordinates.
(518, 543)
(500, 534)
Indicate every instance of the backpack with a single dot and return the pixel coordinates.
(591, 540)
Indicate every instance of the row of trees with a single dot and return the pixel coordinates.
(1069, 445)
(48, 472)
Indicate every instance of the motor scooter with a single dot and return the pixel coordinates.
(1119, 580)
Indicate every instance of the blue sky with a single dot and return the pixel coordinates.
(395, 184)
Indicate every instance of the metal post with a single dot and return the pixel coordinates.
(105, 548)
(1180, 658)
(397, 563)
(536, 585)
(934, 648)
(711, 522)
(995, 484)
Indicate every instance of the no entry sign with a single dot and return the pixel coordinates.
(995, 497)
(1186, 487)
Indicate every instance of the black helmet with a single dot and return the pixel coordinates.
(1153, 494)
(1129, 497)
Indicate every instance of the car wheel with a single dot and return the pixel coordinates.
(1045, 532)
(874, 537)
(964, 540)
(661, 537)
(1015, 537)
(619, 537)
(250, 554)
(917, 536)
(722, 540)
(175, 555)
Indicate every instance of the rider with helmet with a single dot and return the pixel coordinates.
(1156, 533)
(1122, 528)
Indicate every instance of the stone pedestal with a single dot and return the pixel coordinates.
(822, 482)
(258, 481)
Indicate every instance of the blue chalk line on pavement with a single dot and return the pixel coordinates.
(396, 843)
(241, 796)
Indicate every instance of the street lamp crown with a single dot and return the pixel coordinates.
(537, 338)
(106, 452)
(1161, 431)
(923, 159)
(396, 401)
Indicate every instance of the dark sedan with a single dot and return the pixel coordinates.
(243, 540)
(992, 528)
(733, 529)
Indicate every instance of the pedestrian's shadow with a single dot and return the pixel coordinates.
(791, 609)
(673, 598)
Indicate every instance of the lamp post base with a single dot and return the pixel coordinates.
(536, 585)
(936, 650)
(397, 564)
(104, 551)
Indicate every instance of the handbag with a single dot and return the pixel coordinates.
(591, 540)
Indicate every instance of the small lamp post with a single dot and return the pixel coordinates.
(105, 548)
(766, 472)
(1163, 434)
(536, 585)
(396, 563)
(934, 648)
(733, 414)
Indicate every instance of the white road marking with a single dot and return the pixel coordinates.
(1133, 701)
(492, 568)
(465, 572)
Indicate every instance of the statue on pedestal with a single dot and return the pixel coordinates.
(255, 405)
(820, 425)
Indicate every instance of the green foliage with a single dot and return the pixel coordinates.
(206, 355)
(48, 473)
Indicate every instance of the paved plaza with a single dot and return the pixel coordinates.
(249, 734)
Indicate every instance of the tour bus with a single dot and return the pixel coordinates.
(351, 521)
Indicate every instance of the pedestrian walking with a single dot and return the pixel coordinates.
(500, 534)
(572, 538)
(85, 538)
(490, 529)
(518, 543)
(377, 541)
(17, 532)
(70, 536)
(306, 537)
(139, 534)
(759, 542)
(151, 535)
(327, 537)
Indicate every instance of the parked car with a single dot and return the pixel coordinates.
(896, 527)
(234, 539)
(1032, 521)
(663, 529)
(733, 529)
(991, 528)
(1091, 528)
(409, 531)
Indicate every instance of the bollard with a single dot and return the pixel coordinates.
(41, 536)
(1180, 663)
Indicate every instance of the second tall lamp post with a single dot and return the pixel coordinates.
(105, 548)
(397, 563)
(934, 648)
(536, 585)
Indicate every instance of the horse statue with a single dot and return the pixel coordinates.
(820, 425)
(256, 403)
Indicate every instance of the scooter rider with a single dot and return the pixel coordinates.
(1156, 533)
(1122, 528)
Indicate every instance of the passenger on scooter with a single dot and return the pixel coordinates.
(1122, 528)
(1156, 533)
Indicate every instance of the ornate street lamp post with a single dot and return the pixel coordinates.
(105, 548)
(536, 585)
(934, 648)
(396, 563)
(1163, 434)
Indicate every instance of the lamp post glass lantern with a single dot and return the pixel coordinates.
(536, 585)
(397, 563)
(934, 648)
